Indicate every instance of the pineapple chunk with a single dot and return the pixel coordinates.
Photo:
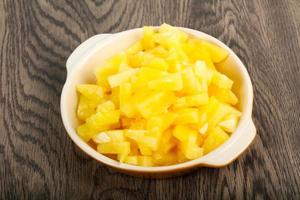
(217, 54)
(87, 131)
(160, 123)
(107, 106)
(221, 80)
(132, 160)
(120, 148)
(157, 63)
(86, 107)
(145, 161)
(146, 74)
(181, 132)
(155, 103)
(109, 136)
(148, 141)
(166, 142)
(98, 122)
(188, 141)
(224, 95)
(115, 96)
(126, 105)
(148, 38)
(229, 122)
(118, 79)
(101, 138)
(138, 124)
(109, 68)
(145, 150)
(203, 72)
(104, 118)
(159, 51)
(192, 100)
(137, 47)
(93, 92)
(191, 84)
(169, 158)
(214, 139)
(171, 82)
(187, 116)
(135, 134)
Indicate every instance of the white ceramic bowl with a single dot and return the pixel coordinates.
(94, 51)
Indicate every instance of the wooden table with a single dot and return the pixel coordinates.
(39, 161)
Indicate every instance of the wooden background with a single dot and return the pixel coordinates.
(39, 161)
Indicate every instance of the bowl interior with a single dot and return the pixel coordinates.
(82, 72)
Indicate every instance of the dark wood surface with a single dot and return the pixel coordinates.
(39, 161)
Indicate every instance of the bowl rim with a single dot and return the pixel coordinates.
(244, 120)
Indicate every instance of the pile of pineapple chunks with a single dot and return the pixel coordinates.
(160, 102)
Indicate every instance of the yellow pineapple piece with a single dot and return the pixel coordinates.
(160, 123)
(159, 51)
(109, 68)
(138, 124)
(197, 52)
(148, 141)
(214, 139)
(86, 107)
(221, 80)
(216, 111)
(120, 148)
(180, 132)
(156, 63)
(106, 106)
(172, 58)
(117, 79)
(191, 84)
(155, 103)
(166, 142)
(190, 152)
(92, 92)
(217, 53)
(224, 95)
(229, 122)
(145, 161)
(135, 134)
(87, 131)
(145, 150)
(109, 136)
(104, 118)
(115, 96)
(98, 122)
(187, 116)
(146, 74)
(192, 100)
(170, 37)
(135, 48)
(134, 149)
(191, 148)
(203, 72)
(169, 158)
(171, 82)
(148, 37)
(125, 99)
(131, 160)
(188, 141)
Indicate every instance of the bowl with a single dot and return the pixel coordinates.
(94, 51)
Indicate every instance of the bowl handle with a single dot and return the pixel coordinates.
(233, 151)
(82, 48)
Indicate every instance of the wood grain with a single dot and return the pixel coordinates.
(39, 161)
